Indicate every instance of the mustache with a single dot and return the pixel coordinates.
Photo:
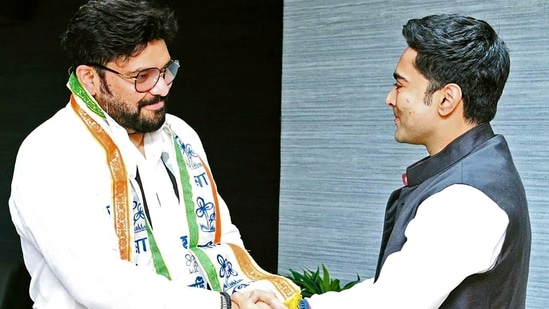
(152, 100)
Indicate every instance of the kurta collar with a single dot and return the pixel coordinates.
(455, 151)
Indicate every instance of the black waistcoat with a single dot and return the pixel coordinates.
(482, 160)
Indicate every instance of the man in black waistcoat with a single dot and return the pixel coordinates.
(457, 234)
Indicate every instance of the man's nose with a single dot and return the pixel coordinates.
(390, 99)
(161, 88)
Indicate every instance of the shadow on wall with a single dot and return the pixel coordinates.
(14, 278)
(12, 11)
(14, 285)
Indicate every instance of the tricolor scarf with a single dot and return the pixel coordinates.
(210, 262)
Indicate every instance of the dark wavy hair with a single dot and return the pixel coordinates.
(463, 50)
(105, 30)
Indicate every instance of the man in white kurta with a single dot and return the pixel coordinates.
(62, 207)
(112, 197)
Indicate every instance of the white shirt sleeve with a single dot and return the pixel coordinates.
(455, 233)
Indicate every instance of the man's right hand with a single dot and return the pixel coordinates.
(256, 299)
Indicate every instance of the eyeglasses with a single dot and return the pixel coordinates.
(146, 79)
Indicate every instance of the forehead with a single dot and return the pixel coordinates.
(154, 55)
(405, 67)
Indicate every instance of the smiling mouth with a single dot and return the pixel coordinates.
(154, 105)
(153, 101)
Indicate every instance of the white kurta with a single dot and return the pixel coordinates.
(455, 233)
(61, 192)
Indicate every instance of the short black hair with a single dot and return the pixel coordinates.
(463, 50)
(105, 30)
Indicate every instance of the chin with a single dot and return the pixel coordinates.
(400, 138)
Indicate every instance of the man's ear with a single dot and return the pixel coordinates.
(451, 99)
(88, 77)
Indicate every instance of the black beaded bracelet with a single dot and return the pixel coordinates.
(225, 300)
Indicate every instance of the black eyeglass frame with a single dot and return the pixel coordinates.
(161, 73)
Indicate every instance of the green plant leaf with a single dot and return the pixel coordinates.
(326, 280)
(314, 282)
(352, 283)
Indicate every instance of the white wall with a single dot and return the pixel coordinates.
(339, 161)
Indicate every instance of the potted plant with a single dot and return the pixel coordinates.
(314, 282)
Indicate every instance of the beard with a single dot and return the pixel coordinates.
(130, 116)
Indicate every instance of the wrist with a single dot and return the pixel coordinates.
(226, 302)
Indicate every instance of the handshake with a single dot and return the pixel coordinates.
(256, 299)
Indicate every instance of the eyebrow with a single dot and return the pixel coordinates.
(399, 77)
(145, 68)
